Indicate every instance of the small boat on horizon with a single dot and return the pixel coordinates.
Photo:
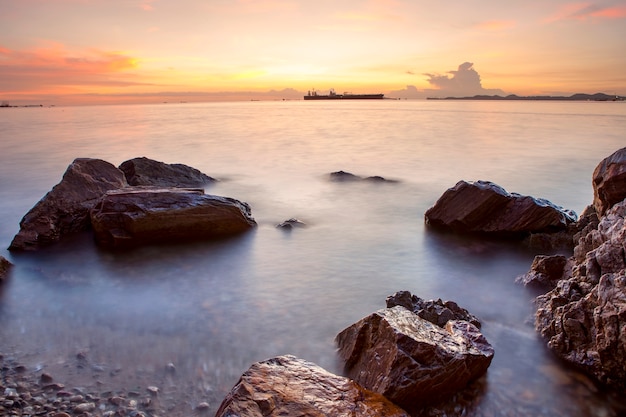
(332, 95)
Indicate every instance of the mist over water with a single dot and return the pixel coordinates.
(214, 308)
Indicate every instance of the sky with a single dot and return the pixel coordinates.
(68, 52)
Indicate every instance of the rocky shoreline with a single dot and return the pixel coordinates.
(427, 357)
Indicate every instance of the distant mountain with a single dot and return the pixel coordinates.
(574, 97)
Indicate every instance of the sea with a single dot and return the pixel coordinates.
(190, 318)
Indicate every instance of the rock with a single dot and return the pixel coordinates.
(483, 207)
(140, 215)
(290, 224)
(46, 378)
(545, 271)
(411, 361)
(583, 317)
(436, 312)
(65, 209)
(343, 176)
(144, 171)
(609, 181)
(289, 386)
(5, 266)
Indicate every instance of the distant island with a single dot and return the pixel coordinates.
(574, 97)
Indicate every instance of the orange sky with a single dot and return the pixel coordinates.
(115, 51)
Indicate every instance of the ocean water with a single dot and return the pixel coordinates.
(105, 320)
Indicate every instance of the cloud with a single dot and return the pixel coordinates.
(52, 65)
(147, 5)
(463, 82)
(496, 25)
(588, 12)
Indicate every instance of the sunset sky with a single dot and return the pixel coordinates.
(116, 51)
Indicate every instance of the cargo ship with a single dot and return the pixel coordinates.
(332, 95)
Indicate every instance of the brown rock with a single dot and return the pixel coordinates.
(288, 386)
(609, 181)
(583, 316)
(65, 209)
(435, 311)
(410, 360)
(140, 215)
(545, 271)
(144, 171)
(5, 266)
(483, 207)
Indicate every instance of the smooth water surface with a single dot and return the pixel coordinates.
(212, 309)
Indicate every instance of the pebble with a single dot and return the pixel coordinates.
(29, 392)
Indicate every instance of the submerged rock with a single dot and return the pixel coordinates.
(144, 171)
(343, 176)
(410, 360)
(483, 207)
(288, 386)
(609, 181)
(65, 209)
(5, 265)
(140, 215)
(290, 224)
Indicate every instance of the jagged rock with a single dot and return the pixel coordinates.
(609, 181)
(483, 207)
(65, 209)
(140, 215)
(436, 312)
(288, 386)
(545, 271)
(410, 360)
(144, 171)
(5, 265)
(583, 317)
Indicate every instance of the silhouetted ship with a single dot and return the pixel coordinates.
(345, 96)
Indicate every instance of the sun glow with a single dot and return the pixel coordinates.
(192, 47)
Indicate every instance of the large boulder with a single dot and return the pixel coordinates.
(412, 361)
(483, 207)
(288, 386)
(144, 171)
(584, 317)
(609, 181)
(65, 209)
(5, 265)
(140, 215)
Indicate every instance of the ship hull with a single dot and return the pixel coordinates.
(346, 97)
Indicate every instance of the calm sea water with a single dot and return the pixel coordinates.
(212, 309)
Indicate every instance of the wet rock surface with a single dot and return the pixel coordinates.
(27, 392)
(140, 215)
(411, 361)
(609, 178)
(482, 207)
(65, 209)
(289, 386)
(148, 172)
